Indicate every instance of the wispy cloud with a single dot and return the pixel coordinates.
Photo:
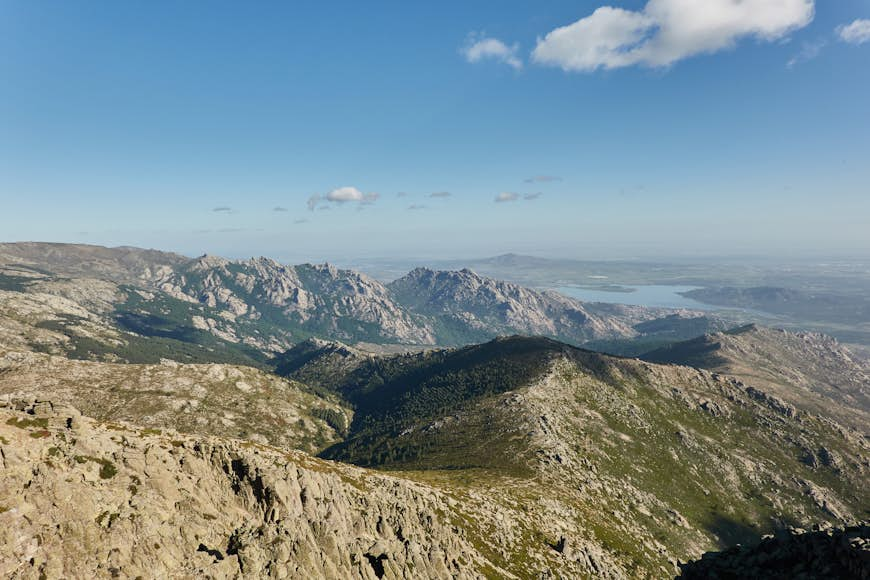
(279, 209)
(300, 221)
(440, 194)
(480, 47)
(857, 32)
(416, 206)
(506, 196)
(542, 179)
(223, 209)
(509, 196)
(808, 51)
(667, 31)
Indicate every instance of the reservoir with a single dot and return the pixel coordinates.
(646, 295)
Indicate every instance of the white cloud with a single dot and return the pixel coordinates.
(531, 196)
(667, 31)
(484, 48)
(441, 194)
(342, 195)
(506, 196)
(858, 32)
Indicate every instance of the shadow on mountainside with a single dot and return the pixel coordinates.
(731, 532)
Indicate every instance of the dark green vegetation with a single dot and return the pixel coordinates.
(39, 422)
(680, 457)
(107, 468)
(13, 283)
(659, 333)
(700, 352)
(147, 343)
(393, 397)
(166, 324)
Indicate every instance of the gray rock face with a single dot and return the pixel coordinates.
(318, 297)
(464, 298)
(80, 500)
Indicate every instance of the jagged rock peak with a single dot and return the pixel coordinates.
(264, 261)
(207, 261)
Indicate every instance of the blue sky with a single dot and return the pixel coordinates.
(185, 125)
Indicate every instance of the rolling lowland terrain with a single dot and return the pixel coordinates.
(162, 416)
(827, 295)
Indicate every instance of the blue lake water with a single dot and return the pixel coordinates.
(653, 296)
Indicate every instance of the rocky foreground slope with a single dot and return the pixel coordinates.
(83, 499)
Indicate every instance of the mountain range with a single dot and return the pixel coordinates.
(208, 423)
(252, 309)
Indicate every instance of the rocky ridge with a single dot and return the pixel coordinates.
(807, 369)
